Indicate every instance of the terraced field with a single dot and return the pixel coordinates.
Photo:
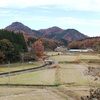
(18, 66)
(71, 78)
(30, 94)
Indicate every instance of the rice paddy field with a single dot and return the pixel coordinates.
(18, 66)
(70, 81)
(52, 53)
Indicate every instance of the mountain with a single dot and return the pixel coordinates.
(73, 35)
(51, 33)
(19, 27)
(58, 33)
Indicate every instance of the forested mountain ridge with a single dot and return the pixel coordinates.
(58, 33)
(51, 33)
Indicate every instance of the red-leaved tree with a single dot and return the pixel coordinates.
(38, 48)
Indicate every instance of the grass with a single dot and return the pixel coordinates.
(52, 53)
(18, 66)
(68, 74)
(71, 76)
(14, 93)
(83, 56)
(87, 58)
(61, 58)
(44, 77)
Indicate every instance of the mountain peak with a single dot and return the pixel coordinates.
(19, 27)
(17, 23)
(49, 31)
(55, 27)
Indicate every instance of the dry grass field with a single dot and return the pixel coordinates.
(52, 53)
(29, 94)
(72, 80)
(19, 66)
(44, 77)
(71, 57)
(68, 74)
(61, 58)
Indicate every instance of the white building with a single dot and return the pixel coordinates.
(80, 50)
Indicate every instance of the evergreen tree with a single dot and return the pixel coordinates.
(11, 45)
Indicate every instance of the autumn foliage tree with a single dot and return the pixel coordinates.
(38, 48)
(49, 44)
(97, 46)
(93, 43)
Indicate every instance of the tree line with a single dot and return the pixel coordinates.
(11, 45)
(16, 47)
(91, 43)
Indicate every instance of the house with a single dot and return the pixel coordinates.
(61, 49)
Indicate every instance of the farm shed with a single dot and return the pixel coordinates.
(80, 50)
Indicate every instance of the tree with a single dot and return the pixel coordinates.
(31, 40)
(93, 43)
(38, 48)
(11, 45)
(97, 46)
(49, 44)
(73, 45)
(17, 39)
(2, 57)
(64, 41)
(7, 50)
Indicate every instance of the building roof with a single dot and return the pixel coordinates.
(80, 50)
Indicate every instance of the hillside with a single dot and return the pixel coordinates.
(19, 27)
(51, 33)
(58, 33)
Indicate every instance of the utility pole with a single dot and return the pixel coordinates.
(22, 59)
(9, 73)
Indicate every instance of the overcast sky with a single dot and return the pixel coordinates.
(83, 15)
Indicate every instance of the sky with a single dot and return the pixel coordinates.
(82, 15)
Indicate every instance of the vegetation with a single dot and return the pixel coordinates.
(38, 48)
(94, 94)
(70, 78)
(49, 44)
(15, 46)
(74, 71)
(17, 39)
(19, 66)
(7, 50)
(97, 46)
(11, 45)
(93, 43)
